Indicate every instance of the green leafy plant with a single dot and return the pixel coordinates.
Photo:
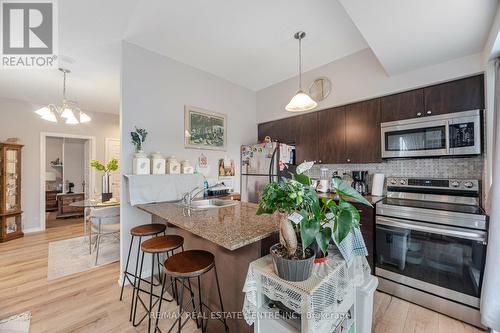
(112, 165)
(138, 138)
(321, 220)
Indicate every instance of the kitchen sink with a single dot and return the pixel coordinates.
(209, 203)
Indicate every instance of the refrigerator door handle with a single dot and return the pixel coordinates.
(271, 165)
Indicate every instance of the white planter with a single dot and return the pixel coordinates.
(142, 164)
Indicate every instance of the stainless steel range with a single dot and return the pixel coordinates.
(431, 244)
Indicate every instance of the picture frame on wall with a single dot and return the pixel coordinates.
(204, 129)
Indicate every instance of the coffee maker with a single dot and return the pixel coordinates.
(360, 181)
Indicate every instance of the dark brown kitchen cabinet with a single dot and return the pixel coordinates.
(331, 133)
(306, 136)
(277, 130)
(367, 227)
(362, 132)
(300, 131)
(405, 105)
(455, 96)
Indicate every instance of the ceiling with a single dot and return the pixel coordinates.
(406, 35)
(249, 43)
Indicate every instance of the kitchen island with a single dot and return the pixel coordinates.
(235, 235)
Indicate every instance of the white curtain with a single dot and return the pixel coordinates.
(490, 296)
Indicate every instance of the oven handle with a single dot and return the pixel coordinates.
(479, 236)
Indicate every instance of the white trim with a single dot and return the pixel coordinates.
(92, 155)
(106, 152)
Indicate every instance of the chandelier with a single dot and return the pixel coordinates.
(68, 111)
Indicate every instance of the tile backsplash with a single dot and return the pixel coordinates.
(458, 167)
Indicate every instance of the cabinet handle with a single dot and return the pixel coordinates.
(348, 160)
(419, 114)
(320, 161)
(429, 112)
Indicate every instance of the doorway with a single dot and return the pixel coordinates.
(65, 177)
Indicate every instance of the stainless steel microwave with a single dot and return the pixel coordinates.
(448, 134)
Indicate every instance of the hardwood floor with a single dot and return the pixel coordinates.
(394, 315)
(89, 301)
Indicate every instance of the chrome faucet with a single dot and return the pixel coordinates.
(188, 197)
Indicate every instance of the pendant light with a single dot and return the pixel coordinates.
(301, 101)
(68, 111)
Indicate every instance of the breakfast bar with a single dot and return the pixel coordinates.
(235, 235)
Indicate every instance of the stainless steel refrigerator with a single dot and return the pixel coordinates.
(263, 163)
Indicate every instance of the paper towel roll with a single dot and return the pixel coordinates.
(378, 184)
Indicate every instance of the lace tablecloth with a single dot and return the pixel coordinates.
(317, 299)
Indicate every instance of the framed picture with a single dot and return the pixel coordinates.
(204, 129)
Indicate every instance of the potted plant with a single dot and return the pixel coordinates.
(138, 138)
(112, 165)
(304, 217)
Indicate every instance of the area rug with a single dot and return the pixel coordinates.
(16, 324)
(71, 256)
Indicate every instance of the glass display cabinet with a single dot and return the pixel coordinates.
(10, 191)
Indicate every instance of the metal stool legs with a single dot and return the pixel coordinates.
(198, 309)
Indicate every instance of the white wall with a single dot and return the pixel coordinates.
(19, 120)
(359, 77)
(74, 163)
(154, 91)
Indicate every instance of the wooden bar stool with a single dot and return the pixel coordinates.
(139, 231)
(185, 266)
(155, 246)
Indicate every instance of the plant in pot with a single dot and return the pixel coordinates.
(138, 138)
(307, 225)
(111, 166)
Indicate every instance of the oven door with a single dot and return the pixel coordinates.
(415, 139)
(444, 261)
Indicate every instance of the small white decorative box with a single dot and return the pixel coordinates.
(142, 164)
(173, 167)
(186, 167)
(158, 165)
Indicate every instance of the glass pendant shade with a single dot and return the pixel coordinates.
(72, 120)
(84, 118)
(67, 113)
(43, 111)
(301, 102)
(50, 116)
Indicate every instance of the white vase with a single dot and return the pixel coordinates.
(142, 164)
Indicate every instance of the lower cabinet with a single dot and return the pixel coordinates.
(367, 226)
(64, 202)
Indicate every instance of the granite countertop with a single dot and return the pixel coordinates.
(371, 198)
(231, 227)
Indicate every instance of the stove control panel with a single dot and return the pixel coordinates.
(434, 183)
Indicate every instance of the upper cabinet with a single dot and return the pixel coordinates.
(405, 105)
(277, 130)
(351, 133)
(455, 96)
(306, 136)
(331, 133)
(362, 132)
(300, 131)
(460, 95)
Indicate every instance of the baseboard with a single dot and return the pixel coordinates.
(32, 230)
